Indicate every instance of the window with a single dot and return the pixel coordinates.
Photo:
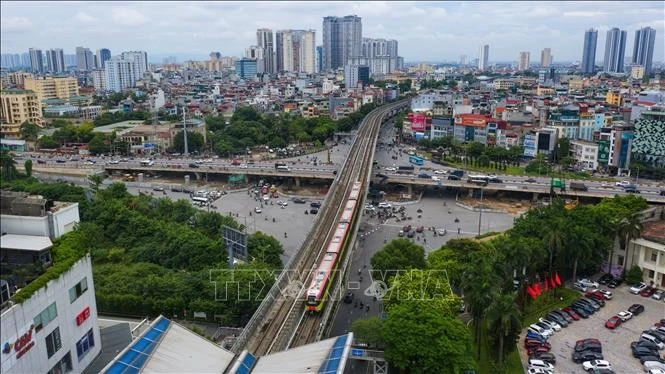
(63, 366)
(78, 290)
(620, 260)
(652, 274)
(654, 256)
(85, 345)
(53, 342)
(47, 315)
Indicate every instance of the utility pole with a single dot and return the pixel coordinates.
(184, 129)
(480, 215)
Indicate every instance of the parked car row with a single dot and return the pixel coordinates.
(647, 346)
(623, 316)
(610, 281)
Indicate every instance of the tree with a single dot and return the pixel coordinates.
(630, 228)
(47, 142)
(479, 284)
(368, 330)
(634, 275)
(504, 321)
(424, 340)
(28, 167)
(29, 131)
(95, 180)
(194, 142)
(265, 248)
(99, 144)
(399, 254)
(9, 171)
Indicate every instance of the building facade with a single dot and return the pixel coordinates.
(649, 142)
(52, 87)
(615, 49)
(16, 107)
(265, 40)
(55, 61)
(342, 38)
(524, 58)
(589, 52)
(246, 68)
(546, 58)
(483, 57)
(85, 60)
(101, 57)
(120, 74)
(36, 60)
(645, 39)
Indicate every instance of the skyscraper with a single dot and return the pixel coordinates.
(546, 58)
(298, 50)
(85, 60)
(615, 49)
(140, 58)
(483, 57)
(589, 52)
(36, 60)
(50, 61)
(524, 61)
(279, 51)
(643, 48)
(342, 38)
(255, 52)
(120, 74)
(264, 40)
(102, 56)
(319, 58)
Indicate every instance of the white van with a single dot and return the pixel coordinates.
(282, 168)
(147, 162)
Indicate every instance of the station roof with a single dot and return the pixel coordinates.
(25, 242)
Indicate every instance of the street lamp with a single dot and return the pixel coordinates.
(480, 213)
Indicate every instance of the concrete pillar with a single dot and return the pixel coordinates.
(139, 177)
(535, 197)
(297, 181)
(186, 180)
(409, 189)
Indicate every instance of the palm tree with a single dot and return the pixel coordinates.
(554, 239)
(630, 228)
(504, 319)
(479, 284)
(8, 165)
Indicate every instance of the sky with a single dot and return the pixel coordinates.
(426, 31)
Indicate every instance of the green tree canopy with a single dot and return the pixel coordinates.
(399, 254)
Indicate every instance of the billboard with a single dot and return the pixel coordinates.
(471, 120)
(418, 121)
(603, 151)
(235, 242)
(529, 145)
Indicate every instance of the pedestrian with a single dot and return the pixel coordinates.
(459, 230)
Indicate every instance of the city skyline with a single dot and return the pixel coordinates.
(426, 31)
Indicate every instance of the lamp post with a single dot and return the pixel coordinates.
(480, 213)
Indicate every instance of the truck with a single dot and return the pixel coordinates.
(578, 186)
(278, 164)
(407, 169)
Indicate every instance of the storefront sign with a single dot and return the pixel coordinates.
(83, 316)
(15, 348)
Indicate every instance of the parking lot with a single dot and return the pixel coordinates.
(615, 343)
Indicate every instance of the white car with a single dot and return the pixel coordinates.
(623, 184)
(435, 178)
(114, 162)
(390, 169)
(596, 364)
(588, 283)
(282, 203)
(654, 365)
(579, 286)
(655, 370)
(257, 210)
(635, 289)
(540, 364)
(539, 371)
(625, 315)
(607, 294)
(546, 333)
(551, 324)
(385, 205)
(440, 172)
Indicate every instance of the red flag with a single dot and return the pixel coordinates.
(547, 285)
(531, 292)
(536, 287)
(557, 280)
(552, 282)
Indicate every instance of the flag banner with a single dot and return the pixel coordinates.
(557, 279)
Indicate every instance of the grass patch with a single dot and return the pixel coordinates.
(514, 363)
(487, 363)
(545, 303)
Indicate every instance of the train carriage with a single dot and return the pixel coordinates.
(355, 191)
(350, 207)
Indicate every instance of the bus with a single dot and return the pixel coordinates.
(147, 162)
(482, 180)
(201, 201)
(416, 160)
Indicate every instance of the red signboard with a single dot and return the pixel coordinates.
(418, 121)
(21, 346)
(83, 316)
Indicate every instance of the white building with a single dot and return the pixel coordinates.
(99, 80)
(585, 154)
(140, 58)
(120, 74)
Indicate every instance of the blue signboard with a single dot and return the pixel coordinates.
(358, 352)
(149, 146)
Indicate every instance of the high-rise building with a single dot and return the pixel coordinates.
(319, 58)
(140, 58)
(546, 58)
(85, 60)
(483, 57)
(101, 57)
(615, 48)
(354, 74)
(524, 61)
(342, 38)
(264, 39)
(279, 51)
(462, 60)
(589, 52)
(257, 53)
(36, 60)
(52, 87)
(643, 48)
(120, 74)
(246, 68)
(380, 55)
(298, 50)
(99, 80)
(16, 107)
(26, 60)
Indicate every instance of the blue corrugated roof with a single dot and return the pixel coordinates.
(246, 364)
(132, 361)
(332, 363)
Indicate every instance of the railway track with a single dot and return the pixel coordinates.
(287, 324)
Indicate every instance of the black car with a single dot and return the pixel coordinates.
(653, 357)
(582, 307)
(581, 311)
(586, 306)
(424, 176)
(636, 309)
(548, 357)
(315, 204)
(193, 165)
(593, 303)
(495, 180)
(639, 351)
(644, 344)
(556, 318)
(313, 211)
(599, 301)
(454, 178)
(614, 283)
(379, 175)
(348, 298)
(563, 314)
(656, 333)
(588, 355)
(605, 279)
(299, 200)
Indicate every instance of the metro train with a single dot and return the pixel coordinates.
(326, 270)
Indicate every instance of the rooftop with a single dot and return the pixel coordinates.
(26, 242)
(654, 231)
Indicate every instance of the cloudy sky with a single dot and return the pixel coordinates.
(426, 31)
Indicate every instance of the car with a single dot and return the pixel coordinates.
(390, 168)
(313, 211)
(406, 228)
(648, 291)
(315, 204)
(533, 370)
(90, 162)
(531, 180)
(441, 232)
(589, 345)
(424, 176)
(658, 295)
(653, 339)
(420, 229)
(555, 317)
(656, 333)
(540, 364)
(535, 336)
(282, 203)
(631, 189)
(435, 178)
(595, 295)
(411, 234)
(588, 283)
(563, 315)
(596, 364)
(581, 307)
(531, 343)
(605, 278)
(299, 200)
(193, 165)
(61, 161)
(651, 365)
(594, 305)
(606, 294)
(613, 322)
(538, 349)
(257, 210)
(544, 356)
(440, 172)
(547, 326)
(454, 178)
(114, 162)
(384, 205)
(381, 175)
(540, 330)
(653, 358)
(158, 188)
(579, 286)
(645, 344)
(623, 183)
(495, 180)
(636, 309)
(625, 315)
(588, 355)
(573, 314)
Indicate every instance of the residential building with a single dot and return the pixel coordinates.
(379, 54)
(298, 50)
(16, 107)
(52, 87)
(36, 60)
(615, 48)
(255, 52)
(354, 74)
(85, 60)
(53, 329)
(264, 39)
(319, 58)
(637, 72)
(140, 58)
(342, 38)
(120, 74)
(523, 61)
(585, 154)
(613, 98)
(99, 79)
(649, 142)
(645, 39)
(246, 68)
(589, 52)
(55, 61)
(101, 57)
(546, 58)
(483, 57)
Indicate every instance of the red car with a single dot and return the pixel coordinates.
(648, 291)
(597, 295)
(532, 343)
(613, 322)
(571, 313)
(540, 349)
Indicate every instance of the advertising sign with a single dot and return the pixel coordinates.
(83, 316)
(603, 151)
(14, 348)
(417, 121)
